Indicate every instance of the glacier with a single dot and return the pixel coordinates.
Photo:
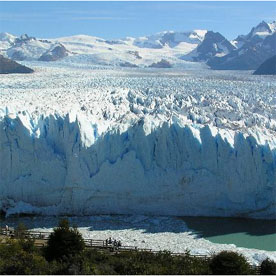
(111, 148)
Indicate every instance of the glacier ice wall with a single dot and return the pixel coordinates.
(48, 167)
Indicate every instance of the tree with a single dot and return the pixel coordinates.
(24, 240)
(268, 267)
(64, 243)
(229, 263)
(20, 230)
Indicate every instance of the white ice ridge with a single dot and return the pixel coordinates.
(84, 141)
(169, 170)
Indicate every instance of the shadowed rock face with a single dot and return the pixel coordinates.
(56, 53)
(8, 66)
(249, 57)
(161, 64)
(128, 64)
(267, 68)
(213, 43)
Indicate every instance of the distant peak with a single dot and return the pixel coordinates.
(263, 23)
(6, 37)
(272, 26)
(25, 37)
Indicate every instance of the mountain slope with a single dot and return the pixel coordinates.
(8, 66)
(267, 68)
(6, 40)
(214, 44)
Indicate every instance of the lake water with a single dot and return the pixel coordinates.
(249, 233)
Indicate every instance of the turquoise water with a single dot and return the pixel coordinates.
(249, 233)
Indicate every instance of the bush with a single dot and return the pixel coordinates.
(15, 260)
(229, 263)
(268, 267)
(64, 243)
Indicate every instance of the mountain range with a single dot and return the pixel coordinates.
(162, 50)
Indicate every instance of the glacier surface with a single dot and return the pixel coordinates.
(80, 141)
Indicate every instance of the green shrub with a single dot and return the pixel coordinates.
(229, 263)
(268, 267)
(15, 260)
(64, 243)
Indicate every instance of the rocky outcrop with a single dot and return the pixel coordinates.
(128, 64)
(8, 66)
(161, 64)
(56, 53)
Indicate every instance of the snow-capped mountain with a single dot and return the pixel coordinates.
(6, 40)
(127, 52)
(213, 44)
(133, 52)
(185, 40)
(178, 49)
(29, 48)
(257, 33)
(251, 49)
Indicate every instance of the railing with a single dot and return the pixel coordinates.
(40, 238)
(31, 234)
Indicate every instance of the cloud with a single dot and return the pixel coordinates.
(24, 16)
(182, 6)
(100, 18)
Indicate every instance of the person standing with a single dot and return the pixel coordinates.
(7, 230)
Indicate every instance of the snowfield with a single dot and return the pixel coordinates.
(83, 140)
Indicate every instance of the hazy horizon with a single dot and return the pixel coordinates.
(112, 20)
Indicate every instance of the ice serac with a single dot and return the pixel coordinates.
(60, 165)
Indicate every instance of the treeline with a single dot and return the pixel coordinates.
(65, 253)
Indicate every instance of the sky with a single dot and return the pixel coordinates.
(112, 20)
